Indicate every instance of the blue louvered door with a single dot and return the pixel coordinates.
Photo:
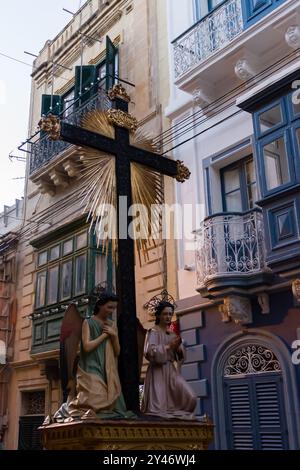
(255, 412)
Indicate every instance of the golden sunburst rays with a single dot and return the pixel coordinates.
(97, 121)
(143, 140)
(147, 195)
(99, 196)
(99, 190)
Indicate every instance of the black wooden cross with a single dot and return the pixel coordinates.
(125, 280)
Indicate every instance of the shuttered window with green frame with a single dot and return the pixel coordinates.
(87, 79)
(69, 268)
(51, 104)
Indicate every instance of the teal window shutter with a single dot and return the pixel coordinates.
(111, 52)
(51, 104)
(85, 83)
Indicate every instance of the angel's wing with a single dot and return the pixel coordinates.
(141, 334)
(70, 335)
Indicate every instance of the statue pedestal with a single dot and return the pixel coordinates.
(127, 435)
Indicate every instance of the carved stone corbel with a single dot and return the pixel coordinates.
(296, 291)
(239, 309)
(46, 188)
(264, 302)
(201, 98)
(59, 179)
(292, 36)
(224, 314)
(244, 70)
(71, 168)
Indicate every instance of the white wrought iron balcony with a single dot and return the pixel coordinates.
(230, 245)
(207, 36)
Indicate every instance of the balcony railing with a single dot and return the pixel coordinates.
(44, 149)
(230, 244)
(207, 36)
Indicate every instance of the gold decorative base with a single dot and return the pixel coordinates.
(127, 435)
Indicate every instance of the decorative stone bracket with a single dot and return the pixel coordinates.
(236, 308)
(264, 302)
(296, 291)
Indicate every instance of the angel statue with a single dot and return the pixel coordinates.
(166, 393)
(91, 384)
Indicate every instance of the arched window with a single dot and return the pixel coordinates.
(254, 393)
(251, 359)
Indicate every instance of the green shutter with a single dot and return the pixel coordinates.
(86, 76)
(46, 105)
(111, 52)
(29, 435)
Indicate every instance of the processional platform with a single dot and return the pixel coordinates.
(108, 435)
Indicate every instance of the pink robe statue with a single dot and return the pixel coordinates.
(166, 393)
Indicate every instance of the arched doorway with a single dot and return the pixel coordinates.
(254, 400)
(255, 393)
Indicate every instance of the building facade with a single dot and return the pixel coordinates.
(235, 113)
(59, 260)
(10, 225)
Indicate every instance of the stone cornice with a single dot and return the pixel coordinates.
(67, 54)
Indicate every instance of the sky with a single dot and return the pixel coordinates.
(25, 26)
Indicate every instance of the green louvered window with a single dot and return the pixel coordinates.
(50, 105)
(87, 80)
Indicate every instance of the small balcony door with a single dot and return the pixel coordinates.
(238, 183)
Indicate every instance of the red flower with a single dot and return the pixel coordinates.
(175, 327)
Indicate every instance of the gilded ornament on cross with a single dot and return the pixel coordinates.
(183, 173)
(122, 119)
(51, 125)
(118, 91)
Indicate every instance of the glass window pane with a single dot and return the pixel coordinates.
(102, 74)
(68, 103)
(234, 202)
(298, 139)
(80, 281)
(52, 285)
(42, 258)
(252, 195)
(296, 108)
(270, 118)
(54, 252)
(40, 289)
(81, 240)
(250, 172)
(231, 180)
(100, 269)
(276, 164)
(66, 280)
(295, 98)
(68, 247)
(214, 3)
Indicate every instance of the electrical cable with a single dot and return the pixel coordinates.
(167, 136)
